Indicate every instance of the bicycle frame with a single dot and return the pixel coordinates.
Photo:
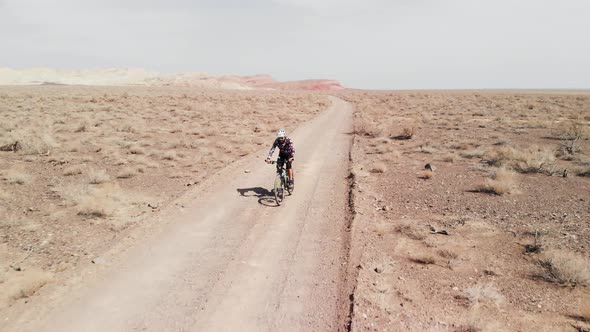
(280, 184)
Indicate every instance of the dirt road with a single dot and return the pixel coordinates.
(232, 260)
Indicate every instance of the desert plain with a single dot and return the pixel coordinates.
(451, 210)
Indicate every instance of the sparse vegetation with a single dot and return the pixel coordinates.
(531, 160)
(407, 133)
(127, 173)
(98, 176)
(24, 285)
(410, 231)
(170, 155)
(501, 182)
(378, 167)
(136, 149)
(565, 268)
(73, 170)
(515, 137)
(14, 176)
(482, 293)
(425, 259)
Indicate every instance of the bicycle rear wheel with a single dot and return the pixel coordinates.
(278, 189)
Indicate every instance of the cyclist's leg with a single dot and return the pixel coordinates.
(280, 163)
(290, 169)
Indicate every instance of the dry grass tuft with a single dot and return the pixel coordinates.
(565, 268)
(170, 155)
(502, 182)
(475, 153)
(136, 149)
(32, 141)
(449, 158)
(410, 231)
(127, 173)
(378, 167)
(531, 160)
(425, 260)
(73, 170)
(468, 328)
(99, 202)
(448, 254)
(479, 293)
(24, 284)
(583, 170)
(98, 177)
(407, 133)
(15, 176)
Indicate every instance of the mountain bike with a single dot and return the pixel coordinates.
(281, 184)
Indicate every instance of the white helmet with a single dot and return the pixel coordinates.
(281, 133)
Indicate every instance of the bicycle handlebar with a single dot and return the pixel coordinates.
(272, 162)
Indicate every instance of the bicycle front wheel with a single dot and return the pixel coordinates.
(278, 190)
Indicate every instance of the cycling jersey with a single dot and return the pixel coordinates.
(286, 148)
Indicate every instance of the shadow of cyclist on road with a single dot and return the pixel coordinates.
(265, 196)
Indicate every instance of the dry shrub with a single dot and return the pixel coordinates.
(583, 170)
(31, 141)
(410, 231)
(100, 202)
(565, 268)
(24, 284)
(427, 149)
(475, 153)
(449, 158)
(366, 125)
(383, 148)
(177, 175)
(575, 130)
(378, 167)
(126, 173)
(14, 176)
(407, 133)
(120, 162)
(136, 149)
(98, 176)
(424, 259)
(170, 155)
(480, 293)
(531, 160)
(501, 182)
(448, 254)
(73, 170)
(460, 146)
(468, 328)
(80, 128)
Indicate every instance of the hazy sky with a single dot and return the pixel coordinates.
(386, 44)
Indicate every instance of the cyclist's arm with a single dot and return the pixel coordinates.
(272, 149)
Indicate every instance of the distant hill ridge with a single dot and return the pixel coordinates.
(138, 76)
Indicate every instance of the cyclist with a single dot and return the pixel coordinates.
(286, 154)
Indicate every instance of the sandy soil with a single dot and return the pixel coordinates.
(516, 257)
(94, 164)
(492, 236)
(228, 259)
